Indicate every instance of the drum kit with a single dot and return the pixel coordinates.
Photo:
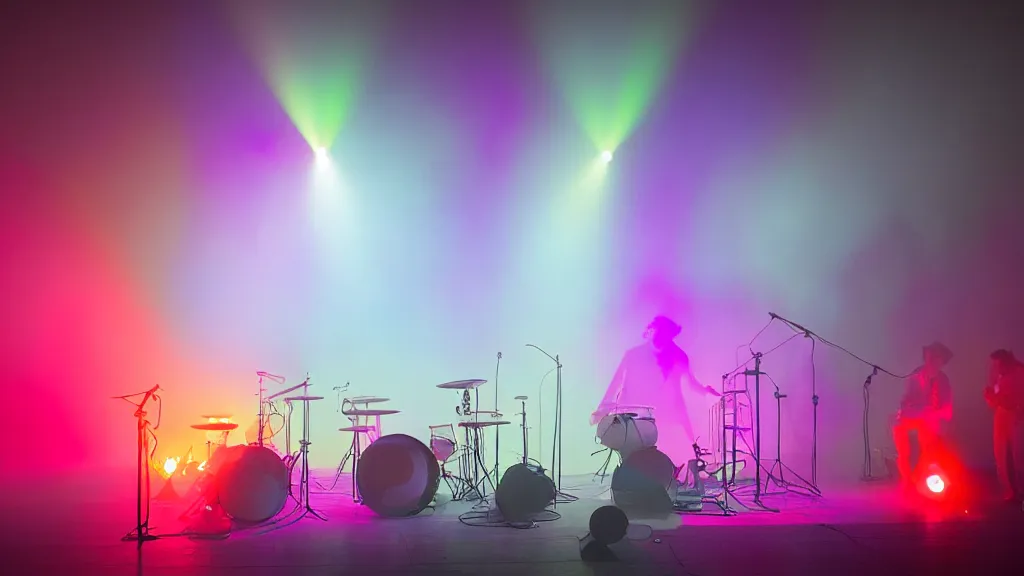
(474, 477)
(394, 475)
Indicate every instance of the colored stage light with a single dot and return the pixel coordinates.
(606, 156)
(935, 484)
(322, 157)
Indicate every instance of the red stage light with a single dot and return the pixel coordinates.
(935, 484)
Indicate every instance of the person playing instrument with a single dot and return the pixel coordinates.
(927, 402)
(1005, 394)
(657, 374)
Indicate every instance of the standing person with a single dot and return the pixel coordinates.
(657, 374)
(927, 402)
(1005, 395)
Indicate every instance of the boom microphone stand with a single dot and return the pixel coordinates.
(141, 532)
(556, 450)
(497, 429)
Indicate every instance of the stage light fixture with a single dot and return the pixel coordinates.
(935, 484)
(322, 155)
(606, 156)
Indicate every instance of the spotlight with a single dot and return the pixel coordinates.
(935, 484)
(321, 154)
(523, 493)
(606, 156)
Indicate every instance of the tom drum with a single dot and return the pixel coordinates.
(627, 433)
(397, 476)
(251, 482)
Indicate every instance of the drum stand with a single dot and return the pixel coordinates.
(303, 499)
(140, 533)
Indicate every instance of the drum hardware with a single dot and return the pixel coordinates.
(444, 445)
(496, 414)
(526, 434)
(224, 427)
(402, 494)
(472, 457)
(691, 501)
(304, 444)
(355, 450)
(261, 417)
(140, 534)
(556, 450)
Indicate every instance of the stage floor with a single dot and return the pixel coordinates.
(75, 527)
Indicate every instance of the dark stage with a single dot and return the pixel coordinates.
(859, 529)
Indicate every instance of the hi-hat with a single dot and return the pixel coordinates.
(462, 384)
(216, 416)
(303, 398)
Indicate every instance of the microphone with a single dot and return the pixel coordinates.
(790, 322)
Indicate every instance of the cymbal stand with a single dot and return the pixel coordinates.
(140, 533)
(497, 429)
(806, 488)
(866, 475)
(758, 467)
(304, 470)
(526, 434)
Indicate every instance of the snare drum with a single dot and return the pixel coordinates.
(627, 433)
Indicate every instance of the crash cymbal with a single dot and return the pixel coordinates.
(303, 398)
(462, 384)
(216, 426)
(370, 412)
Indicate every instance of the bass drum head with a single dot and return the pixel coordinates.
(252, 483)
(397, 476)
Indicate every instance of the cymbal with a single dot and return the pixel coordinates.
(483, 424)
(216, 416)
(303, 398)
(370, 412)
(216, 426)
(462, 384)
(368, 400)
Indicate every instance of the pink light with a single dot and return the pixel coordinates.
(935, 484)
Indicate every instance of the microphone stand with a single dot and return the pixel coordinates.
(497, 429)
(813, 484)
(556, 450)
(141, 532)
(866, 475)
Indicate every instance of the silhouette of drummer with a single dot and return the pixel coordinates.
(657, 374)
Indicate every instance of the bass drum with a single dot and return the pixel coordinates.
(251, 483)
(397, 476)
(645, 484)
(626, 433)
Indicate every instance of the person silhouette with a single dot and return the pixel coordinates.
(657, 374)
